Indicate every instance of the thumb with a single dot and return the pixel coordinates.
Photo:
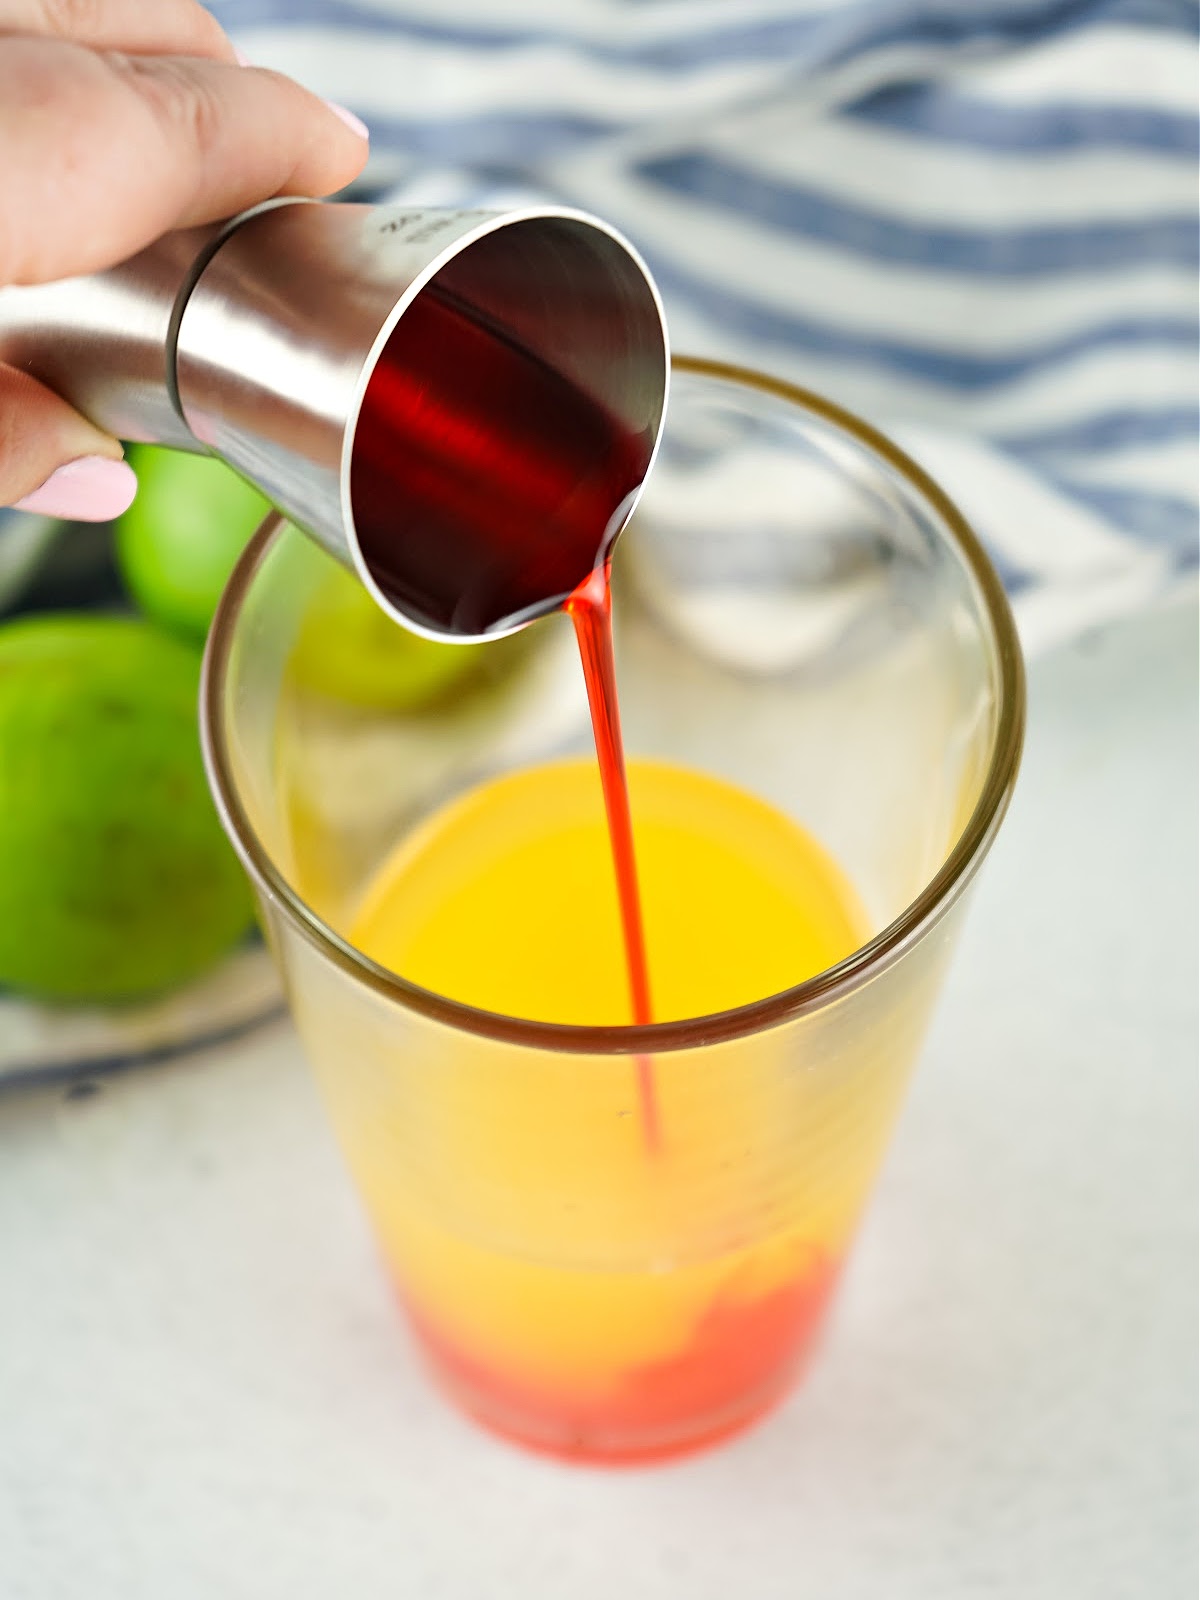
(54, 461)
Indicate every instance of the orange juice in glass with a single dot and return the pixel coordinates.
(822, 698)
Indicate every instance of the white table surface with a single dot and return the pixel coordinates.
(205, 1389)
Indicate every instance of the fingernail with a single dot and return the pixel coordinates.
(355, 124)
(242, 61)
(91, 489)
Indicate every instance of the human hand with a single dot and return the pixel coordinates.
(119, 121)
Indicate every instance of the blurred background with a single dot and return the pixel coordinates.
(973, 224)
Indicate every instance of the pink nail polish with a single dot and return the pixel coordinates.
(355, 124)
(91, 489)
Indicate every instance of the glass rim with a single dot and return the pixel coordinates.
(857, 969)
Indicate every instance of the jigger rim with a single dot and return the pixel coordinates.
(493, 222)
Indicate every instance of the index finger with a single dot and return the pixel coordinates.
(139, 27)
(102, 153)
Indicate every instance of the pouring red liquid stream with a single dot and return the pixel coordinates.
(515, 484)
(590, 609)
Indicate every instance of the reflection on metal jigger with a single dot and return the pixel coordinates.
(460, 405)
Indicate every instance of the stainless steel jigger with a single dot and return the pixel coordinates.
(258, 340)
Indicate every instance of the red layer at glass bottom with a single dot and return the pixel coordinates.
(744, 1357)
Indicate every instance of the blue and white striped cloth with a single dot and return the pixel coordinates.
(971, 221)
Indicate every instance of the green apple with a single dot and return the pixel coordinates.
(179, 540)
(115, 878)
(349, 649)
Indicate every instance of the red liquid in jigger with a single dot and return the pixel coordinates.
(511, 474)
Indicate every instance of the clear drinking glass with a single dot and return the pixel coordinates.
(799, 610)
